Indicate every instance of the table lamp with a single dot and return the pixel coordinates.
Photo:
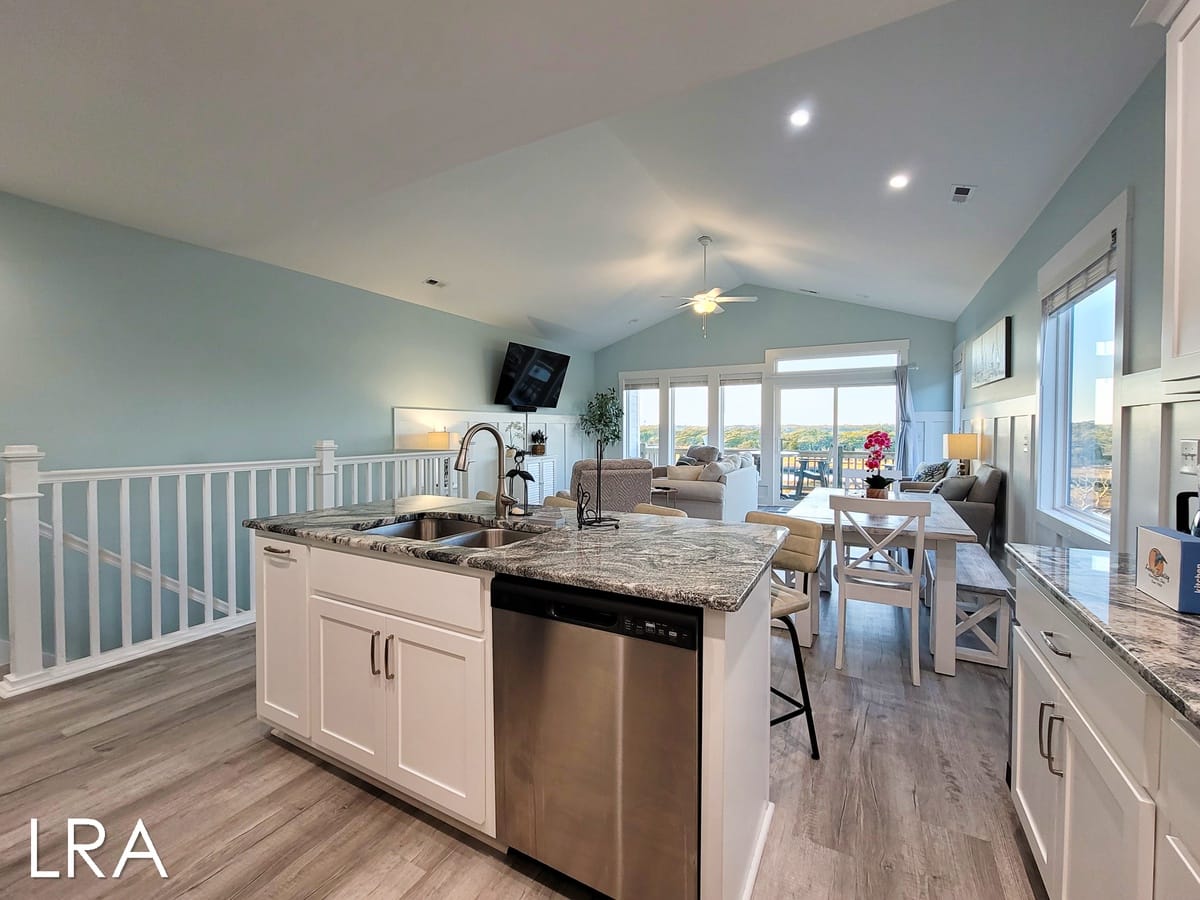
(443, 440)
(963, 447)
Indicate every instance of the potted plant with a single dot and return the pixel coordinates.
(537, 443)
(601, 420)
(876, 444)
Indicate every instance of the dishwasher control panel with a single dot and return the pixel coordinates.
(651, 629)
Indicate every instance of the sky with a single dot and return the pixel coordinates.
(799, 406)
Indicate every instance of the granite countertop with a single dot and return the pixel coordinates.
(694, 562)
(1096, 588)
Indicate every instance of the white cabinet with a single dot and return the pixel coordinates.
(1089, 823)
(282, 670)
(1035, 787)
(1107, 820)
(437, 714)
(1177, 861)
(348, 704)
(1181, 275)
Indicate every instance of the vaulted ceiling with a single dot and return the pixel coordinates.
(553, 163)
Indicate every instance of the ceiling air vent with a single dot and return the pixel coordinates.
(961, 193)
(433, 282)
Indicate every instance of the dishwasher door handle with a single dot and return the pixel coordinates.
(574, 614)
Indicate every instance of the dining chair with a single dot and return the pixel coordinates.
(879, 574)
(795, 561)
(650, 509)
(561, 502)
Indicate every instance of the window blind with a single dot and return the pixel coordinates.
(689, 381)
(641, 384)
(1084, 281)
(735, 378)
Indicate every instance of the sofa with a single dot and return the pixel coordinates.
(711, 486)
(974, 497)
(626, 483)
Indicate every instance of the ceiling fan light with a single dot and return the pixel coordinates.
(704, 305)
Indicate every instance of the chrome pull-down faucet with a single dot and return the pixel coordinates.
(503, 501)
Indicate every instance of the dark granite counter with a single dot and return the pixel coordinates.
(1096, 589)
(695, 562)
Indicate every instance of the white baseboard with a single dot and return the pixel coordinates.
(760, 844)
(11, 686)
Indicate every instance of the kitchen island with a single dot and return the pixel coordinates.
(376, 651)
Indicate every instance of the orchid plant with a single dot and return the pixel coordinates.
(876, 444)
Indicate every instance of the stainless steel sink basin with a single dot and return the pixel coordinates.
(487, 538)
(426, 529)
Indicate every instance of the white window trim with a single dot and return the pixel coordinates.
(774, 357)
(1084, 248)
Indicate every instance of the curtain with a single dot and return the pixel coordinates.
(906, 453)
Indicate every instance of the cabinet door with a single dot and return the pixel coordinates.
(1181, 275)
(1036, 790)
(1108, 818)
(437, 718)
(281, 571)
(348, 706)
(1176, 871)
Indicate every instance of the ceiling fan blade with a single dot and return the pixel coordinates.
(716, 311)
(684, 305)
(736, 299)
(713, 294)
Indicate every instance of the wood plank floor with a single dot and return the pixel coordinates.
(908, 799)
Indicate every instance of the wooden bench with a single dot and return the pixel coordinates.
(983, 593)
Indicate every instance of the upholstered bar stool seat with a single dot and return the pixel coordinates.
(650, 509)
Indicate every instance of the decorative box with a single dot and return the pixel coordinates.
(1168, 568)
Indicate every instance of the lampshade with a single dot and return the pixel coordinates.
(443, 440)
(960, 446)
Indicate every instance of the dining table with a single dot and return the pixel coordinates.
(944, 531)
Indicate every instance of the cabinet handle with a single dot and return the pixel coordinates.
(276, 551)
(374, 643)
(1042, 707)
(1050, 746)
(1048, 637)
(387, 660)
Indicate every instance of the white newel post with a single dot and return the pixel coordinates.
(326, 475)
(21, 516)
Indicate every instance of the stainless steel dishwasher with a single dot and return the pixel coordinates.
(598, 736)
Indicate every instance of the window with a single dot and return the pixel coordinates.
(838, 363)
(642, 415)
(689, 412)
(1078, 370)
(741, 415)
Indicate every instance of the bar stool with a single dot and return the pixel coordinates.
(798, 556)
(649, 509)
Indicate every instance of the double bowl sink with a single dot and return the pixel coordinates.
(451, 532)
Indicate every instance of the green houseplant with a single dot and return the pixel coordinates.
(537, 443)
(601, 420)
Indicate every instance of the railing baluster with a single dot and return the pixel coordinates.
(272, 491)
(251, 512)
(156, 582)
(354, 484)
(230, 543)
(340, 474)
(60, 604)
(291, 489)
(370, 482)
(181, 538)
(93, 525)
(395, 478)
(206, 524)
(309, 499)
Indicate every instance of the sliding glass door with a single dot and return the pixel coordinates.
(821, 432)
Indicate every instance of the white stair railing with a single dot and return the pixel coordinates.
(97, 521)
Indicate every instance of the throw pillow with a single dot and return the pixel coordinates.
(933, 471)
(715, 471)
(704, 454)
(955, 487)
(685, 461)
(684, 473)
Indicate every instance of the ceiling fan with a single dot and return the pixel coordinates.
(708, 303)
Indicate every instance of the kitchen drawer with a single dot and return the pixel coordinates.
(1122, 707)
(446, 598)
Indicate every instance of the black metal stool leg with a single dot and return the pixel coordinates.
(804, 707)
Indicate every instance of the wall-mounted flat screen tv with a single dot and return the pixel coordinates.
(531, 378)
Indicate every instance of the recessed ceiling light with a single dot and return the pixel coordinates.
(898, 182)
(800, 118)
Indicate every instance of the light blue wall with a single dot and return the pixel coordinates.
(1130, 154)
(784, 319)
(122, 348)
